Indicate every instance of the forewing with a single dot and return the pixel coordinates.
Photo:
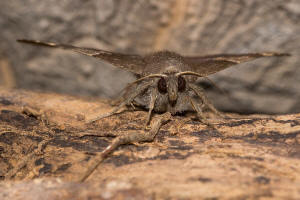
(211, 64)
(132, 63)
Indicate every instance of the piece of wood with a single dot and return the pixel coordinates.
(246, 157)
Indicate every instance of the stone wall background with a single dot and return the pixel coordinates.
(190, 27)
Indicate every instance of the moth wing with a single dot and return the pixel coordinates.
(132, 63)
(211, 64)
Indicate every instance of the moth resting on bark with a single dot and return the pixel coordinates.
(166, 80)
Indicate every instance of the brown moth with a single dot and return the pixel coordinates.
(166, 80)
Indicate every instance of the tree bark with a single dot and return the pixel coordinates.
(45, 146)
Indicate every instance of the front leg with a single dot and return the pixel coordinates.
(200, 93)
(126, 101)
(153, 97)
(200, 114)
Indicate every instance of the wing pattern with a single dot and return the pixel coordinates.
(132, 63)
(211, 64)
(204, 65)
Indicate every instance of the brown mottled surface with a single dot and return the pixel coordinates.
(247, 157)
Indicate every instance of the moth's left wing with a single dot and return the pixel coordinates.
(132, 63)
(211, 64)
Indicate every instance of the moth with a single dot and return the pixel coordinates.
(166, 81)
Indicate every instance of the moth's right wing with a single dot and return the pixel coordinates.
(211, 64)
(132, 63)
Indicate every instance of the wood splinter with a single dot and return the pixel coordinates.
(127, 138)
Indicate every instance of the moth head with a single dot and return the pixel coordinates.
(171, 85)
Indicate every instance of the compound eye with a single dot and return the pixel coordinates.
(181, 84)
(162, 86)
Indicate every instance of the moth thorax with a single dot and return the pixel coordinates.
(171, 70)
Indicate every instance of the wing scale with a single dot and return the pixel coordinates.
(211, 64)
(132, 63)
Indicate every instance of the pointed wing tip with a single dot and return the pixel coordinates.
(276, 54)
(285, 54)
(37, 42)
(22, 40)
(29, 41)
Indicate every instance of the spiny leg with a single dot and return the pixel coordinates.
(125, 102)
(127, 138)
(200, 93)
(122, 97)
(200, 114)
(151, 105)
(114, 111)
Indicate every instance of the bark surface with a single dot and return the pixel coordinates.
(45, 146)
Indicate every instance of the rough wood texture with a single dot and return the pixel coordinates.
(186, 26)
(45, 138)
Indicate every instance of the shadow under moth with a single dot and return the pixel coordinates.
(166, 83)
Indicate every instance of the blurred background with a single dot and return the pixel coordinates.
(189, 27)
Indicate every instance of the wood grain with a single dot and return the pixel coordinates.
(247, 157)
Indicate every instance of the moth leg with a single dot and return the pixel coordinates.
(152, 104)
(127, 138)
(200, 114)
(121, 98)
(126, 101)
(200, 93)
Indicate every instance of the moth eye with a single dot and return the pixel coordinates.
(181, 84)
(162, 86)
